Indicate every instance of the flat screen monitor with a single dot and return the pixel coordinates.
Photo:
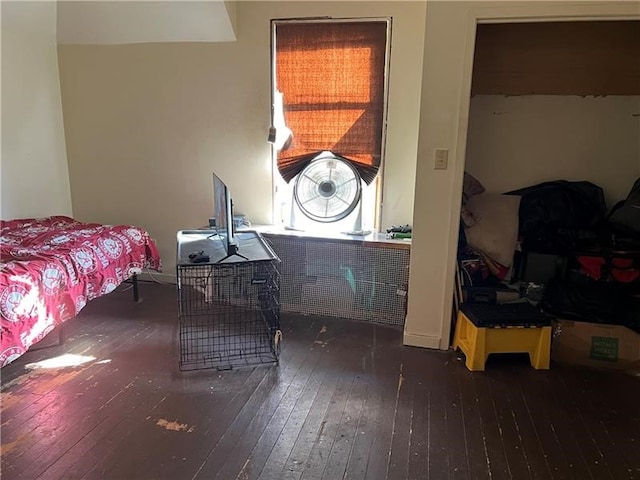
(223, 213)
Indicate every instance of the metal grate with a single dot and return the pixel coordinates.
(343, 279)
(229, 314)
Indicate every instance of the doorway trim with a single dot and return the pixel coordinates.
(512, 13)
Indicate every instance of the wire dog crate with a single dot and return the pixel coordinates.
(229, 314)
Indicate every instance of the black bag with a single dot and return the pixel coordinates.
(625, 215)
(591, 301)
(557, 216)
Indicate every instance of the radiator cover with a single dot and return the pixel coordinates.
(343, 278)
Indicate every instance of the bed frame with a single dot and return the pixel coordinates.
(53, 266)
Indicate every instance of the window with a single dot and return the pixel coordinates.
(329, 90)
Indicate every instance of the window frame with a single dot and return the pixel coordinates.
(379, 180)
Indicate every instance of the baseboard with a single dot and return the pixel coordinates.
(424, 341)
(148, 276)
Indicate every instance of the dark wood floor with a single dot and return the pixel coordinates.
(346, 401)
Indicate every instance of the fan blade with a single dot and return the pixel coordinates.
(310, 199)
(312, 179)
(342, 200)
(345, 182)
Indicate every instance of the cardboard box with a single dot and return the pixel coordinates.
(595, 345)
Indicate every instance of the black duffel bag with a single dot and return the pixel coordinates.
(625, 215)
(555, 217)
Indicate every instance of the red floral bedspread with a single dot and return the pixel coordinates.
(51, 267)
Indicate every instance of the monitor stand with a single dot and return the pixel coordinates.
(232, 250)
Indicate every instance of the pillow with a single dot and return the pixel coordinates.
(495, 231)
(470, 187)
(468, 218)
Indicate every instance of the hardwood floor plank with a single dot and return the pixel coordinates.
(611, 464)
(363, 441)
(274, 448)
(206, 422)
(316, 462)
(279, 400)
(492, 440)
(383, 354)
(524, 426)
(347, 432)
(116, 411)
(456, 439)
(386, 365)
(419, 439)
(297, 344)
(611, 400)
(77, 407)
(348, 400)
(535, 386)
(515, 453)
(569, 428)
(50, 388)
(105, 445)
(437, 456)
(79, 336)
(16, 373)
(215, 399)
(346, 355)
(476, 456)
(398, 467)
(287, 458)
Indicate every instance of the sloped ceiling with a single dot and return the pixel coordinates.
(122, 22)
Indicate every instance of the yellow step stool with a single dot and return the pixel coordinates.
(481, 329)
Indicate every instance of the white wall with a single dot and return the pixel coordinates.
(35, 180)
(515, 142)
(146, 125)
(109, 22)
(446, 87)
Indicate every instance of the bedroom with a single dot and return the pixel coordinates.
(124, 108)
(173, 118)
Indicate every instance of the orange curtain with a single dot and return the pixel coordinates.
(331, 75)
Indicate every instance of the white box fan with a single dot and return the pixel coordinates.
(327, 195)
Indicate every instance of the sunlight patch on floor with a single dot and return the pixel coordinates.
(62, 361)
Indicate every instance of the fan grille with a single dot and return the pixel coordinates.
(327, 190)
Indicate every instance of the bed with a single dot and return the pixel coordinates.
(51, 267)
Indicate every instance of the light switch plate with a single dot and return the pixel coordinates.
(441, 159)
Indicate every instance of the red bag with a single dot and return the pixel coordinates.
(623, 270)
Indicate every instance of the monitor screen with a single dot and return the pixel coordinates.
(219, 204)
(223, 213)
